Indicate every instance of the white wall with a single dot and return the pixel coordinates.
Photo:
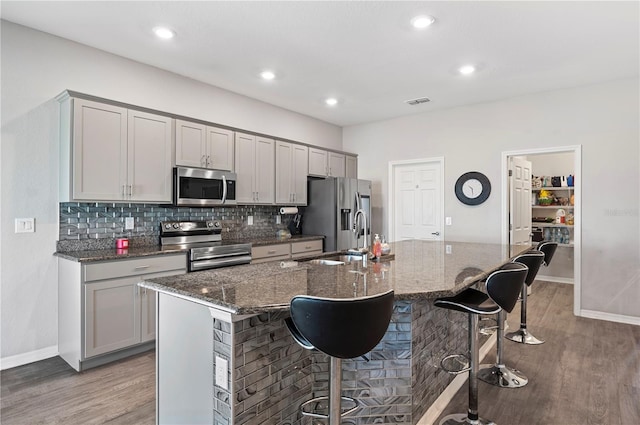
(35, 68)
(602, 118)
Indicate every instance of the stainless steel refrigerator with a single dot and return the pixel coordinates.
(332, 204)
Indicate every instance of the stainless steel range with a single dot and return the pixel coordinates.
(204, 241)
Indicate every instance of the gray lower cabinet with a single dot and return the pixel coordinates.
(103, 314)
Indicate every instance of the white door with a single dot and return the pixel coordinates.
(318, 162)
(265, 173)
(519, 201)
(190, 144)
(284, 152)
(336, 164)
(220, 149)
(245, 168)
(300, 169)
(417, 201)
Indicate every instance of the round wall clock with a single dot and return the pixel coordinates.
(473, 188)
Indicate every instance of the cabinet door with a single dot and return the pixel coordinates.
(147, 314)
(190, 144)
(245, 166)
(300, 170)
(149, 165)
(284, 176)
(317, 162)
(112, 315)
(265, 175)
(351, 167)
(219, 149)
(99, 151)
(336, 164)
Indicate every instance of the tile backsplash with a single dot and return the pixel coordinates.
(96, 225)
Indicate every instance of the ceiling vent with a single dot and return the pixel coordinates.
(417, 101)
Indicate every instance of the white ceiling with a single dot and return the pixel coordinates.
(364, 53)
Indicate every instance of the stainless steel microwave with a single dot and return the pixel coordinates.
(197, 187)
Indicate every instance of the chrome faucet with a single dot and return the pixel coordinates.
(364, 251)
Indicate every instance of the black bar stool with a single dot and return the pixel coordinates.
(503, 287)
(342, 329)
(545, 251)
(499, 374)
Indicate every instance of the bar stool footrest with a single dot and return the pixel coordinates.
(463, 419)
(460, 359)
(318, 400)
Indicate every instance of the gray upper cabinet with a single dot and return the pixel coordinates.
(255, 169)
(351, 167)
(109, 153)
(291, 173)
(202, 146)
(324, 163)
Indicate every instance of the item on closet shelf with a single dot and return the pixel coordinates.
(560, 216)
(570, 180)
(546, 181)
(570, 219)
(563, 181)
(555, 181)
(536, 182)
(571, 199)
(545, 198)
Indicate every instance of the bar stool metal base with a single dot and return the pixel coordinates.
(502, 376)
(463, 419)
(523, 337)
(313, 412)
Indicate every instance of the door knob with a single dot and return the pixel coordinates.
(435, 233)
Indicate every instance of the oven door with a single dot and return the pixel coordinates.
(200, 188)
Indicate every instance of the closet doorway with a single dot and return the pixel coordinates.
(560, 161)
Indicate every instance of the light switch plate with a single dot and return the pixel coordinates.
(222, 379)
(25, 225)
(249, 220)
(128, 223)
(447, 221)
(278, 219)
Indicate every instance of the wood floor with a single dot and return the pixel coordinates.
(587, 372)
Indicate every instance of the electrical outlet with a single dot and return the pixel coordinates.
(447, 221)
(128, 223)
(25, 225)
(222, 380)
(447, 249)
(278, 219)
(249, 220)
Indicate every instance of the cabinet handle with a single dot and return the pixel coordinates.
(294, 197)
(203, 160)
(271, 252)
(130, 190)
(208, 161)
(124, 193)
(141, 267)
(308, 247)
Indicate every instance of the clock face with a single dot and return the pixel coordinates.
(473, 188)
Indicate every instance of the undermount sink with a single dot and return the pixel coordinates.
(326, 262)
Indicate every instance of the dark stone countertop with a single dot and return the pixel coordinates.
(420, 270)
(87, 256)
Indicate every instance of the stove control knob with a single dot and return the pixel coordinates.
(217, 224)
(176, 226)
(209, 223)
(167, 226)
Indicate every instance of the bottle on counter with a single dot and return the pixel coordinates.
(377, 246)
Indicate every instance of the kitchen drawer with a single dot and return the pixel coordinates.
(134, 267)
(303, 248)
(270, 253)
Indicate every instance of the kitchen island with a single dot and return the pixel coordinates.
(225, 355)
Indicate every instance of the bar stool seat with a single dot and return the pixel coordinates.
(342, 329)
(503, 287)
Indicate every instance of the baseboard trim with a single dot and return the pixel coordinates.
(610, 317)
(441, 403)
(568, 280)
(30, 357)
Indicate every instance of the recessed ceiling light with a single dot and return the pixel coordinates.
(467, 69)
(164, 33)
(422, 21)
(267, 75)
(332, 101)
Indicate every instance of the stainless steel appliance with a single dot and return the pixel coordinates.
(333, 203)
(200, 188)
(204, 241)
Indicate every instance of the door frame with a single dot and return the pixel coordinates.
(576, 150)
(392, 195)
